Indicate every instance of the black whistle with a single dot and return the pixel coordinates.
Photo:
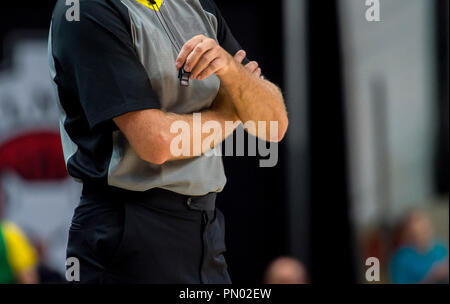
(184, 77)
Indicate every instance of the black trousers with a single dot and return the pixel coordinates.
(152, 237)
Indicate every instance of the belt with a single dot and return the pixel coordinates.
(156, 195)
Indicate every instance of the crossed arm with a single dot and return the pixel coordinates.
(243, 96)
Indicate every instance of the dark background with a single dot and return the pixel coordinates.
(255, 201)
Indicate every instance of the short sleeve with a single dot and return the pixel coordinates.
(98, 61)
(224, 35)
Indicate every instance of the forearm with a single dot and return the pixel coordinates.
(159, 137)
(196, 134)
(256, 100)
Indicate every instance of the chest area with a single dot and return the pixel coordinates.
(159, 32)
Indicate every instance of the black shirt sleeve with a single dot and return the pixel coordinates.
(224, 35)
(100, 64)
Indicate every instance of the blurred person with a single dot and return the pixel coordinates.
(421, 259)
(286, 270)
(18, 259)
(35, 159)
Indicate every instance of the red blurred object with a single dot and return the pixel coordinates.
(35, 156)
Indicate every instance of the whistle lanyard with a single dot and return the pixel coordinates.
(183, 76)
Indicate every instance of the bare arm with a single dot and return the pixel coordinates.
(256, 100)
(149, 131)
(243, 96)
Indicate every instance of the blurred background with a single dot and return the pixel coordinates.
(362, 173)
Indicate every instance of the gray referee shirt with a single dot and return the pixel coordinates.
(119, 58)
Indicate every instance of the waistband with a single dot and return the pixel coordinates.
(161, 197)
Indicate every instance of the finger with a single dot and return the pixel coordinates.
(258, 72)
(204, 61)
(197, 53)
(187, 48)
(212, 68)
(252, 66)
(239, 56)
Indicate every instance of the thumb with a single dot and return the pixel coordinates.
(240, 55)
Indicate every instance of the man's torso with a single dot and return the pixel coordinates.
(156, 34)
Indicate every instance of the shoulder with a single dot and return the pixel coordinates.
(90, 25)
(87, 10)
(13, 235)
(210, 6)
(20, 252)
(10, 228)
(87, 6)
